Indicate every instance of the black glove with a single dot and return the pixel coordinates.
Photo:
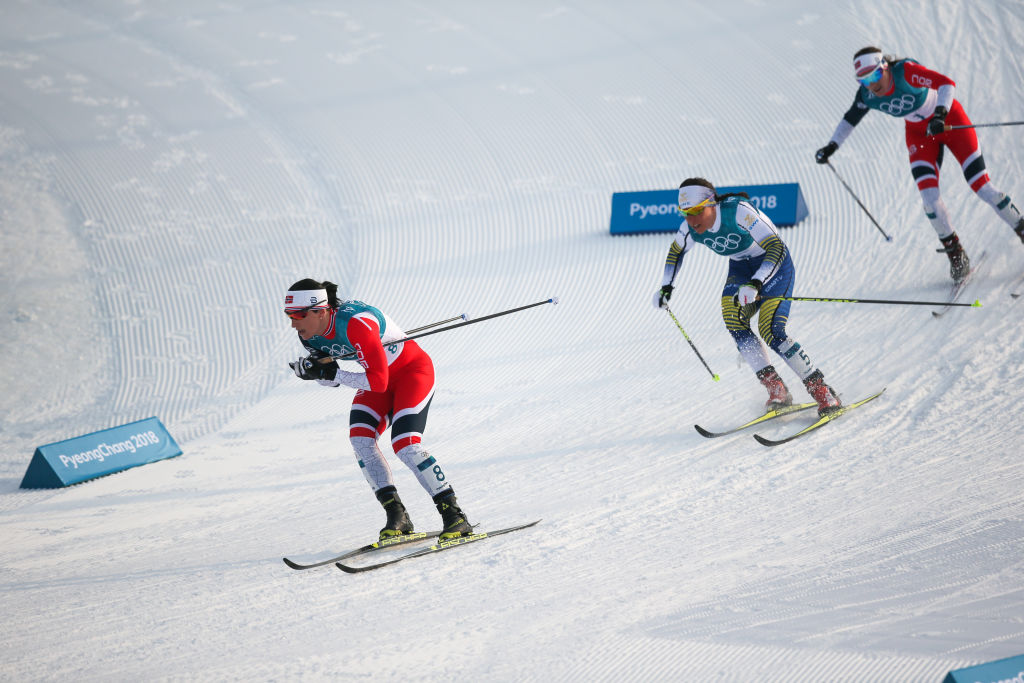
(937, 125)
(822, 155)
(662, 296)
(310, 367)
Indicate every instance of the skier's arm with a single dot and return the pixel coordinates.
(674, 259)
(364, 334)
(851, 118)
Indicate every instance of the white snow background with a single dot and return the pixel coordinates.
(168, 169)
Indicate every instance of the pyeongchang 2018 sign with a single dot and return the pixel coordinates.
(95, 455)
(1009, 670)
(658, 211)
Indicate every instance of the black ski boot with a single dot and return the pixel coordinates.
(959, 264)
(453, 519)
(398, 522)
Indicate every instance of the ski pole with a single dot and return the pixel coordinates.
(976, 304)
(552, 300)
(859, 202)
(692, 346)
(985, 125)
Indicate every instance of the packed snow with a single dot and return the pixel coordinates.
(167, 170)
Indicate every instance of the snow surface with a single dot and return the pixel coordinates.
(167, 169)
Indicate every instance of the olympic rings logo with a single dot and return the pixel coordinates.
(338, 350)
(897, 107)
(723, 244)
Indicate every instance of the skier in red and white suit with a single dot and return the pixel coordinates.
(924, 98)
(395, 390)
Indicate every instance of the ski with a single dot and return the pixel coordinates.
(446, 544)
(821, 422)
(369, 548)
(770, 415)
(957, 288)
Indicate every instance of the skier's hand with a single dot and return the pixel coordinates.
(822, 155)
(937, 124)
(310, 367)
(662, 296)
(748, 293)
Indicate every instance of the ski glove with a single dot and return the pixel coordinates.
(748, 293)
(662, 296)
(937, 125)
(310, 367)
(822, 155)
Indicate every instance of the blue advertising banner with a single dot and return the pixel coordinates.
(94, 455)
(1009, 670)
(657, 211)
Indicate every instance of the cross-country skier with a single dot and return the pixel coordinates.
(760, 269)
(924, 98)
(396, 389)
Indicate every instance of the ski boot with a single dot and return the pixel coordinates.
(1020, 229)
(827, 400)
(398, 522)
(778, 394)
(453, 519)
(959, 264)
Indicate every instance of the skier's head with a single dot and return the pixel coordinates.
(694, 195)
(697, 199)
(869, 65)
(307, 303)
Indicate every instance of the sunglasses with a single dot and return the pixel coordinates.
(697, 209)
(300, 313)
(872, 77)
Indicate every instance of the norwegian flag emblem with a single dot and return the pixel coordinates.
(288, 298)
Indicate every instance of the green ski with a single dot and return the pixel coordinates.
(770, 415)
(821, 422)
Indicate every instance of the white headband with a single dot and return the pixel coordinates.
(866, 64)
(692, 195)
(307, 298)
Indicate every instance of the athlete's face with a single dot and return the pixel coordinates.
(883, 84)
(702, 221)
(313, 324)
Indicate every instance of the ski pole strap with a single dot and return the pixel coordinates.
(822, 299)
(859, 202)
(552, 300)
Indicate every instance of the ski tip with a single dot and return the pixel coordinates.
(702, 431)
(763, 441)
(289, 563)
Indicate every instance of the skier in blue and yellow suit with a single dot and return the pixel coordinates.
(760, 269)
